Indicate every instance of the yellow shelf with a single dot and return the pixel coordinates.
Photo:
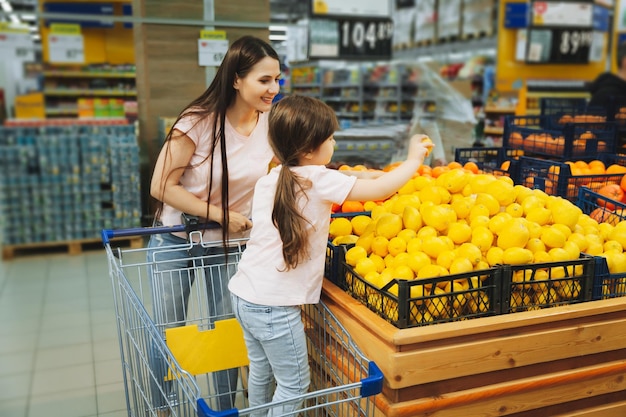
(84, 74)
(499, 110)
(88, 92)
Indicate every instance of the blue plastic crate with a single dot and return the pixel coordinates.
(559, 105)
(600, 207)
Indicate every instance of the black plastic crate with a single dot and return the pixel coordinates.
(421, 302)
(559, 105)
(605, 284)
(569, 142)
(548, 284)
(334, 253)
(601, 208)
(489, 159)
(555, 178)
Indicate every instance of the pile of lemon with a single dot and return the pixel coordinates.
(461, 222)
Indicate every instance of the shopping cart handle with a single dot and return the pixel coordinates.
(205, 411)
(373, 383)
(108, 234)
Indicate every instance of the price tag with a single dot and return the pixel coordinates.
(211, 52)
(571, 46)
(66, 48)
(351, 38)
(559, 13)
(18, 46)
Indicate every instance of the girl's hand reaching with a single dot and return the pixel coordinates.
(420, 147)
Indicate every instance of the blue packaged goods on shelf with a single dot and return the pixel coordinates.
(601, 208)
(548, 284)
(556, 178)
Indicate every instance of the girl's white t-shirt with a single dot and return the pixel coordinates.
(261, 277)
(248, 160)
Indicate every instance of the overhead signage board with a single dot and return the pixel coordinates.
(371, 8)
(350, 38)
(560, 13)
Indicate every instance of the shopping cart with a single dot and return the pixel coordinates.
(343, 381)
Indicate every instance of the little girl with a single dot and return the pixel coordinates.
(283, 264)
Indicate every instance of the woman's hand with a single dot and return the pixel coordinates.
(238, 223)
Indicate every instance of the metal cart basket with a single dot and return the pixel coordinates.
(170, 366)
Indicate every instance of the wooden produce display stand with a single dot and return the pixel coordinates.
(561, 361)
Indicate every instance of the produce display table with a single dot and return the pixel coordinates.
(562, 361)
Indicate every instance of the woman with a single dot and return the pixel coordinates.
(215, 152)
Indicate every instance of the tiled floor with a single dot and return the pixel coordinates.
(59, 350)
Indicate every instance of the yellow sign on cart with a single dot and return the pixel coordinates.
(30, 106)
(208, 351)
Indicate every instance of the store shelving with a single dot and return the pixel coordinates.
(88, 91)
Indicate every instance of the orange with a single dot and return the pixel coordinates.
(454, 165)
(352, 206)
(616, 169)
(471, 166)
(438, 170)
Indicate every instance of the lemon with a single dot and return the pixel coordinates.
(502, 191)
(579, 240)
(407, 235)
(567, 213)
(462, 206)
(515, 210)
(369, 205)
(407, 188)
(427, 231)
(498, 221)
(613, 245)
(494, 255)
(539, 215)
(418, 260)
(542, 256)
(411, 218)
(488, 201)
(594, 248)
(433, 246)
(345, 240)
(440, 217)
(446, 258)
(421, 182)
(471, 252)
(461, 265)
(552, 237)
(514, 234)
(478, 210)
(482, 238)
(407, 200)
(396, 246)
(459, 232)
(517, 256)
(379, 246)
(378, 211)
(388, 261)
(365, 241)
(432, 271)
(605, 230)
(453, 181)
(619, 234)
(373, 278)
(340, 226)
(414, 245)
(479, 221)
(572, 249)
(403, 272)
(364, 266)
(559, 255)
(360, 223)
(378, 261)
(530, 203)
(430, 193)
(354, 254)
(563, 228)
(401, 259)
(535, 244)
(388, 225)
(479, 182)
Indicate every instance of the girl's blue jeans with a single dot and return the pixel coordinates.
(277, 350)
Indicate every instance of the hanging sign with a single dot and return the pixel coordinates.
(66, 44)
(374, 8)
(212, 47)
(350, 38)
(17, 46)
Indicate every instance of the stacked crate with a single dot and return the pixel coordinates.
(59, 183)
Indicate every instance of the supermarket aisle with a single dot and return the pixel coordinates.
(59, 352)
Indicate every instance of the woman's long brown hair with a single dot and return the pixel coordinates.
(242, 55)
(297, 125)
